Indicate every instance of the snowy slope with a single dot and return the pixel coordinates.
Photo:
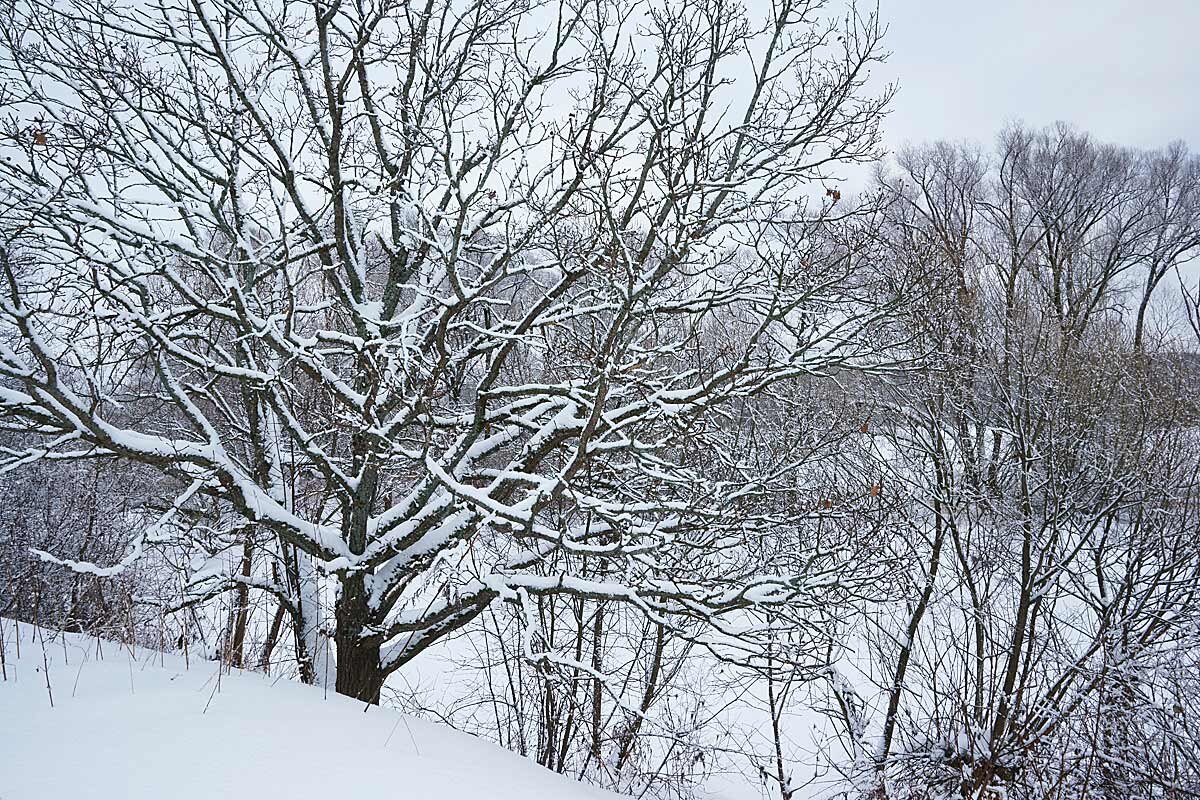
(143, 725)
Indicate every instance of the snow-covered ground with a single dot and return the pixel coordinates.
(129, 724)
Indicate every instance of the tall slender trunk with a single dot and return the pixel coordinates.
(264, 661)
(241, 610)
(775, 709)
(910, 636)
(312, 648)
(597, 686)
(635, 726)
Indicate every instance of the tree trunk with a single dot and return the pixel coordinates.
(359, 674)
(264, 661)
(237, 645)
(597, 686)
(306, 619)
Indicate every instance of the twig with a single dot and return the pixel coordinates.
(46, 667)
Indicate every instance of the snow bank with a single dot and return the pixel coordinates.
(139, 724)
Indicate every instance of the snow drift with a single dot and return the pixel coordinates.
(120, 723)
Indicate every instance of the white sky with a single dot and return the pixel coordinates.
(1127, 71)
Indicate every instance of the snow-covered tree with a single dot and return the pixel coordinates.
(446, 302)
(1048, 458)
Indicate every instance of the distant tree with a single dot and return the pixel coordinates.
(1049, 460)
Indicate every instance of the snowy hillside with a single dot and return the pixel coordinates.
(127, 725)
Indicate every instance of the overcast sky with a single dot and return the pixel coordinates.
(1127, 71)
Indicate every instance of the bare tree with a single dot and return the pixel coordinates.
(1048, 466)
(440, 300)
